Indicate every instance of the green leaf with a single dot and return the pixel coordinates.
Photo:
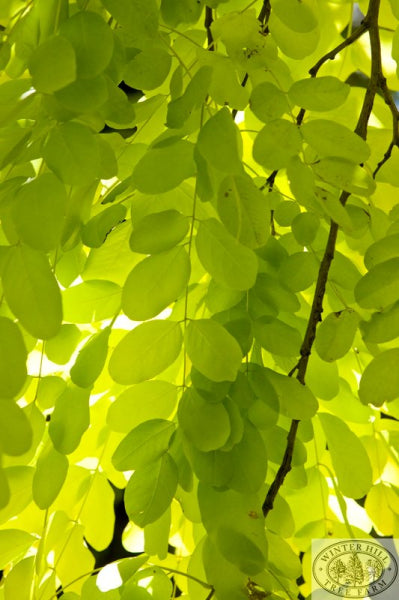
(267, 102)
(92, 41)
(240, 550)
(144, 444)
(53, 65)
(180, 109)
(344, 175)
(383, 249)
(350, 460)
(319, 93)
(13, 544)
(383, 326)
(91, 359)
(214, 468)
(140, 19)
(276, 144)
(32, 292)
(298, 271)
(83, 95)
(71, 151)
(150, 491)
(15, 429)
(39, 212)
(13, 357)
(218, 143)
(298, 16)
(19, 580)
(292, 43)
(158, 232)
(148, 69)
(206, 425)
(137, 404)
(244, 210)
(91, 301)
(4, 489)
(228, 262)
(212, 350)
(155, 283)
(277, 337)
(389, 170)
(249, 462)
(304, 227)
(380, 379)
(164, 166)
(380, 286)
(335, 334)
(145, 352)
(329, 138)
(296, 400)
(95, 231)
(186, 11)
(49, 477)
(70, 419)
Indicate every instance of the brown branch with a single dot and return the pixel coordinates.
(208, 23)
(371, 23)
(263, 18)
(356, 34)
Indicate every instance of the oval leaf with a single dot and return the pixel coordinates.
(380, 380)
(49, 477)
(32, 292)
(155, 283)
(335, 334)
(150, 491)
(13, 357)
(146, 351)
(144, 444)
(212, 350)
(227, 261)
(350, 460)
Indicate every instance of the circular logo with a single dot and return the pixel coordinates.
(355, 568)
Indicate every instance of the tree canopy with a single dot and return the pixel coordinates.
(199, 260)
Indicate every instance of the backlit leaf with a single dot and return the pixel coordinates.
(91, 359)
(50, 474)
(171, 160)
(13, 357)
(53, 65)
(212, 350)
(70, 419)
(335, 334)
(380, 286)
(218, 142)
(147, 400)
(15, 429)
(277, 337)
(150, 491)
(145, 352)
(230, 263)
(349, 458)
(154, 283)
(92, 41)
(32, 292)
(144, 444)
(13, 544)
(72, 153)
(206, 425)
(147, 69)
(380, 380)
(329, 138)
(319, 93)
(267, 102)
(158, 232)
(276, 144)
(92, 300)
(39, 212)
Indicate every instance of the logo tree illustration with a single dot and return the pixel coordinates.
(199, 264)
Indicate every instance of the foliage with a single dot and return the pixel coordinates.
(187, 190)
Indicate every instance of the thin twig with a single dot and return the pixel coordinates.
(208, 23)
(356, 34)
(370, 23)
